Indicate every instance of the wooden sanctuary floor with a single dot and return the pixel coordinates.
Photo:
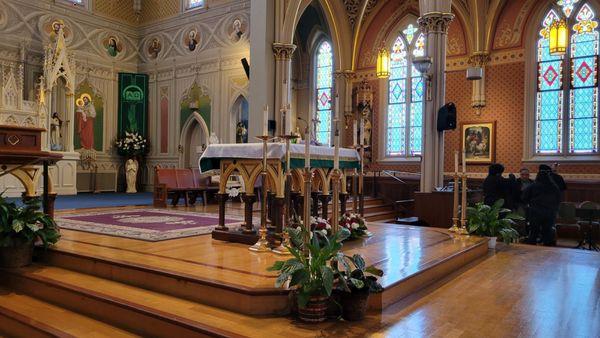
(94, 285)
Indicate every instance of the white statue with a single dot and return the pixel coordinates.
(55, 135)
(213, 139)
(131, 169)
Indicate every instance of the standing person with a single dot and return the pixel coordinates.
(543, 198)
(496, 187)
(555, 176)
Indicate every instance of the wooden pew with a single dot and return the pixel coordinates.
(177, 183)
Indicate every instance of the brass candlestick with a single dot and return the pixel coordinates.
(336, 175)
(283, 248)
(455, 219)
(307, 204)
(361, 182)
(463, 209)
(263, 244)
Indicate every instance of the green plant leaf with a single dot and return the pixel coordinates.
(299, 277)
(359, 261)
(276, 266)
(327, 276)
(374, 271)
(281, 279)
(359, 284)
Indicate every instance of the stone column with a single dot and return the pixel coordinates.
(262, 65)
(480, 60)
(434, 24)
(283, 73)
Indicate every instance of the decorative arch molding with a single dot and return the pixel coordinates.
(187, 131)
(339, 27)
(196, 98)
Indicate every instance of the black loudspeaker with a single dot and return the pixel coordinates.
(447, 117)
(246, 67)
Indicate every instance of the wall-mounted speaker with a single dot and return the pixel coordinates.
(246, 67)
(447, 117)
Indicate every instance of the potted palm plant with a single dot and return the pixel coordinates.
(356, 282)
(309, 272)
(493, 221)
(20, 228)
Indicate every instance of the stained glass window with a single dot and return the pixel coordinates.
(324, 83)
(566, 118)
(405, 95)
(195, 3)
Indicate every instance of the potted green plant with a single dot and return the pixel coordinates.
(356, 282)
(309, 272)
(20, 228)
(493, 221)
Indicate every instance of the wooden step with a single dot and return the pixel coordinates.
(178, 278)
(24, 316)
(380, 216)
(133, 309)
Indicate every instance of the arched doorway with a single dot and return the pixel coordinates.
(239, 116)
(194, 138)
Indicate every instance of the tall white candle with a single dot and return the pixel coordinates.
(337, 106)
(288, 121)
(336, 152)
(456, 162)
(354, 132)
(464, 162)
(266, 121)
(307, 147)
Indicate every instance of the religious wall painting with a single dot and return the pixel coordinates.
(154, 47)
(89, 118)
(112, 45)
(237, 29)
(195, 99)
(53, 26)
(479, 142)
(133, 104)
(191, 39)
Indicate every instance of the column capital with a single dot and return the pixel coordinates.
(346, 74)
(283, 51)
(479, 59)
(435, 22)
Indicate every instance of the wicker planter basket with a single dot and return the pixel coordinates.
(16, 256)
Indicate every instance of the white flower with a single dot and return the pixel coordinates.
(324, 232)
(327, 226)
(354, 226)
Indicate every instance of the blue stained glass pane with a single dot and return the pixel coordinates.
(196, 3)
(397, 91)
(583, 102)
(585, 44)
(549, 105)
(396, 135)
(417, 89)
(584, 72)
(416, 137)
(323, 99)
(544, 51)
(583, 135)
(550, 75)
(398, 72)
(323, 131)
(416, 123)
(548, 136)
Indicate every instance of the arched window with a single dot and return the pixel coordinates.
(404, 127)
(323, 85)
(195, 4)
(566, 110)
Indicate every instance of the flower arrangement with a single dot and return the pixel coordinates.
(133, 144)
(321, 225)
(356, 224)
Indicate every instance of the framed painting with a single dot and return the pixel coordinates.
(478, 140)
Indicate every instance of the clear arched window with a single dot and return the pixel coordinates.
(566, 111)
(404, 127)
(324, 84)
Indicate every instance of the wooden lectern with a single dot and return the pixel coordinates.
(21, 155)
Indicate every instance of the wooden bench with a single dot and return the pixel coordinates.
(177, 183)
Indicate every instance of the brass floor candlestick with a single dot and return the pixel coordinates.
(282, 249)
(354, 192)
(455, 218)
(336, 175)
(361, 182)
(463, 209)
(263, 244)
(307, 205)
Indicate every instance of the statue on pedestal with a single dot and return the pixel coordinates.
(131, 170)
(55, 133)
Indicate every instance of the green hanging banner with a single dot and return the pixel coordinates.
(133, 104)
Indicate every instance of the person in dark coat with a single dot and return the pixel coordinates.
(556, 177)
(542, 198)
(496, 187)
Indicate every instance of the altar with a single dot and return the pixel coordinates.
(284, 184)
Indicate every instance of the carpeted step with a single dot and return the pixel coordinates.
(24, 316)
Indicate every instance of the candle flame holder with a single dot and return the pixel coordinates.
(262, 245)
(283, 248)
